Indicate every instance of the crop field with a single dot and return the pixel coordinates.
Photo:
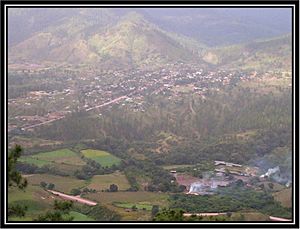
(102, 157)
(31, 142)
(102, 182)
(63, 156)
(62, 184)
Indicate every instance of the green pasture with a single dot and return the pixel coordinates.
(102, 157)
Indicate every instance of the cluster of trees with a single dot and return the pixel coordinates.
(16, 180)
(159, 179)
(177, 214)
(93, 168)
(208, 133)
(60, 212)
(98, 212)
(231, 199)
(45, 185)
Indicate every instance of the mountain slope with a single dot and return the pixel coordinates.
(133, 41)
(271, 54)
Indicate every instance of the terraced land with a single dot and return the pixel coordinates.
(102, 182)
(104, 158)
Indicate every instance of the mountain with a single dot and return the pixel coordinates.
(269, 54)
(125, 37)
(223, 26)
(132, 41)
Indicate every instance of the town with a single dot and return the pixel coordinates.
(92, 90)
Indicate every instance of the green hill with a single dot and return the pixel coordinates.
(131, 42)
(271, 54)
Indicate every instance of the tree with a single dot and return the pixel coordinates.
(75, 191)
(271, 185)
(154, 210)
(169, 215)
(134, 208)
(14, 177)
(51, 186)
(60, 213)
(17, 210)
(43, 184)
(113, 188)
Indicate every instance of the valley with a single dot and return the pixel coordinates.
(123, 116)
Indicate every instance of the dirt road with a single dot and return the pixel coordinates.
(73, 198)
(278, 219)
(203, 214)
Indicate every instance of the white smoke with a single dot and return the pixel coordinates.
(207, 186)
(271, 171)
(196, 187)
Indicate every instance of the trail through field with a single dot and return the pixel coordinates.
(73, 198)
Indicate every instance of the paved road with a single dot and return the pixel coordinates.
(73, 198)
(91, 108)
(42, 123)
(107, 103)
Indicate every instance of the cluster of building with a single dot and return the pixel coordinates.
(90, 89)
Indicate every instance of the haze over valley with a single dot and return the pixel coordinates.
(157, 114)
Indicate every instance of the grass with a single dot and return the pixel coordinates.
(110, 199)
(63, 156)
(34, 161)
(80, 217)
(284, 197)
(102, 157)
(63, 184)
(152, 198)
(139, 206)
(37, 200)
(249, 216)
(102, 182)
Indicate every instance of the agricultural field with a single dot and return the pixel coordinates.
(102, 182)
(62, 184)
(32, 142)
(63, 156)
(104, 158)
